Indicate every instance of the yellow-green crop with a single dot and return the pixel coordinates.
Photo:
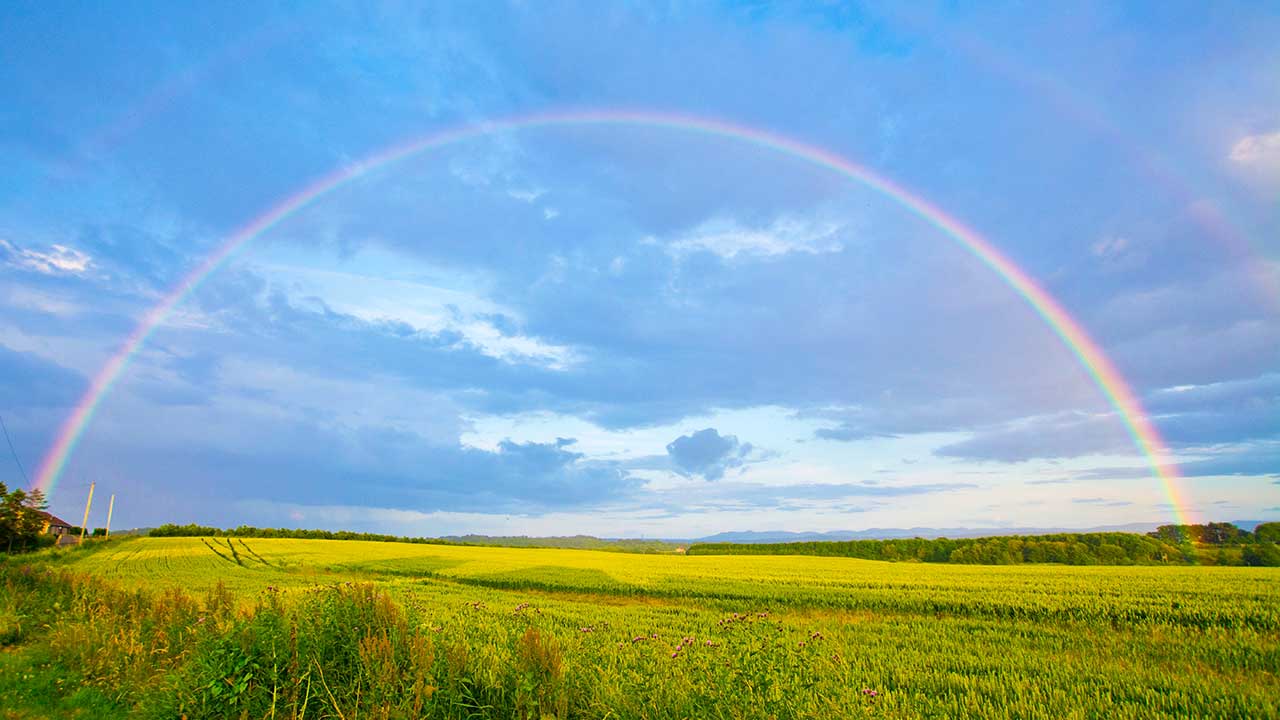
(570, 633)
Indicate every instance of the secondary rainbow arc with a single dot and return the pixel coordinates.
(1098, 366)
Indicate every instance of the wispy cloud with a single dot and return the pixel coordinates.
(730, 239)
(1102, 502)
(1257, 157)
(57, 260)
(1259, 150)
(526, 195)
(423, 306)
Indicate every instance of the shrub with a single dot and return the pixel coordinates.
(1261, 555)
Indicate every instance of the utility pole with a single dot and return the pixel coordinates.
(110, 507)
(87, 503)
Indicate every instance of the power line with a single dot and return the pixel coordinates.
(14, 452)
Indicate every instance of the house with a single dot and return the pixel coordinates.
(55, 525)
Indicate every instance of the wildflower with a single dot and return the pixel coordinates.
(675, 654)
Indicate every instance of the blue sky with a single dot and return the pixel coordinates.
(636, 330)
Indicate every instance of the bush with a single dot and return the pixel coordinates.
(1261, 555)
(1267, 532)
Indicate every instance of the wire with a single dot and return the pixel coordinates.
(14, 452)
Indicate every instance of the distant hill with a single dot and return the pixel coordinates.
(748, 537)
(576, 542)
(781, 536)
(1249, 525)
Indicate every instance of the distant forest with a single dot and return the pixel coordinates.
(1211, 544)
(248, 531)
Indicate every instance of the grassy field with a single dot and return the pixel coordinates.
(312, 628)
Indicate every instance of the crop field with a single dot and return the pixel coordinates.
(226, 627)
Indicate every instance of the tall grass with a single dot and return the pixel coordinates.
(343, 651)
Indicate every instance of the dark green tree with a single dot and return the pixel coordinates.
(21, 518)
(1223, 534)
(1267, 532)
(1263, 554)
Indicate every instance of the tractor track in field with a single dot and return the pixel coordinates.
(249, 550)
(217, 552)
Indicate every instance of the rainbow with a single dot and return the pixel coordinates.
(1091, 357)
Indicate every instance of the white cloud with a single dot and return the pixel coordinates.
(58, 259)
(30, 299)
(1110, 247)
(1257, 158)
(728, 239)
(515, 348)
(423, 306)
(1260, 150)
(526, 195)
(1117, 252)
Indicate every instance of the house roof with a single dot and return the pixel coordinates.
(55, 520)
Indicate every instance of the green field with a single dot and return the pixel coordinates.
(233, 627)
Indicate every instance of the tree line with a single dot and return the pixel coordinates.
(1212, 544)
(248, 531)
(1218, 534)
(584, 542)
